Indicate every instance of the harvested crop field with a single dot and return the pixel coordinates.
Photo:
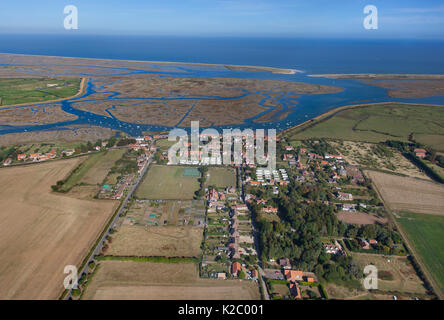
(360, 218)
(42, 232)
(167, 241)
(409, 194)
(394, 273)
(163, 281)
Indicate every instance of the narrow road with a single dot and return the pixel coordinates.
(98, 248)
(264, 286)
(255, 237)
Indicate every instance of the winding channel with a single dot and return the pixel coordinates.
(300, 107)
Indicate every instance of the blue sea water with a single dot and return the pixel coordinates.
(308, 55)
(311, 55)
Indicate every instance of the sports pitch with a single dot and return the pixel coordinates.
(167, 183)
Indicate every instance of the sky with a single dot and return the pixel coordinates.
(251, 18)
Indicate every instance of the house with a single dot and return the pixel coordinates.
(269, 209)
(349, 207)
(255, 183)
(289, 148)
(44, 157)
(373, 241)
(310, 279)
(332, 248)
(254, 274)
(221, 275)
(213, 195)
(235, 268)
(34, 156)
(293, 275)
(333, 156)
(420, 153)
(21, 156)
(68, 152)
(239, 207)
(7, 162)
(345, 196)
(261, 201)
(285, 263)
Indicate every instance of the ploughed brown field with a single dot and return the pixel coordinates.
(409, 194)
(163, 281)
(42, 232)
(360, 218)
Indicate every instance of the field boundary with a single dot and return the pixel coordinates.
(155, 259)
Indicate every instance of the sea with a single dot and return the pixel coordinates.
(311, 56)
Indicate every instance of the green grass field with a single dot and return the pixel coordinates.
(167, 183)
(164, 144)
(425, 232)
(221, 177)
(94, 169)
(380, 122)
(17, 91)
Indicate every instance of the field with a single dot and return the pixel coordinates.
(42, 232)
(167, 183)
(371, 155)
(93, 170)
(166, 212)
(17, 91)
(394, 273)
(168, 241)
(221, 177)
(360, 218)
(164, 144)
(426, 234)
(376, 123)
(404, 193)
(163, 281)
